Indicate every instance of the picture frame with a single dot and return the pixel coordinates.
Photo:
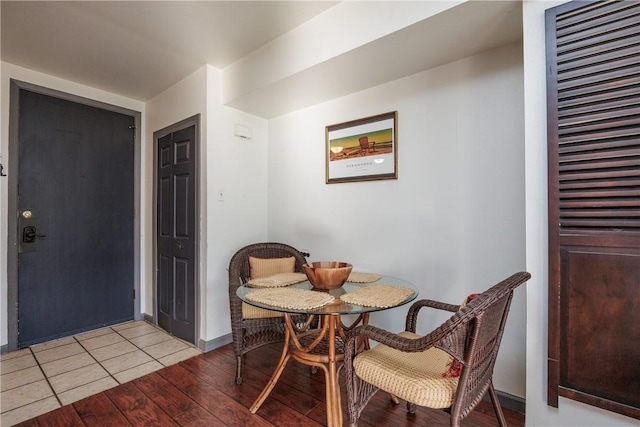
(362, 150)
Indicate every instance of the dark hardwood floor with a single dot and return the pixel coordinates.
(201, 391)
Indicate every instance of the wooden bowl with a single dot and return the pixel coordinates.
(327, 274)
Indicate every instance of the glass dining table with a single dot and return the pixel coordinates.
(323, 346)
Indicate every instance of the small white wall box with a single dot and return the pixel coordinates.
(242, 131)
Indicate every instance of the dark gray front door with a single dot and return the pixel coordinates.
(176, 229)
(75, 209)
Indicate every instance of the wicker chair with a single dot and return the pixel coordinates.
(451, 368)
(250, 333)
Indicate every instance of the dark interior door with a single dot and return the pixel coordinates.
(176, 225)
(75, 201)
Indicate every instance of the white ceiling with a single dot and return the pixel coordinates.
(140, 48)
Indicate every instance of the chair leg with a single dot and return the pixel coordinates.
(496, 405)
(239, 370)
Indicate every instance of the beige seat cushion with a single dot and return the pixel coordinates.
(251, 312)
(265, 267)
(414, 377)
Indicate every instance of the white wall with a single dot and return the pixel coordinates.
(8, 72)
(453, 222)
(338, 30)
(569, 412)
(229, 165)
(237, 168)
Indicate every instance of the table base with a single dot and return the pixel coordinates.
(322, 348)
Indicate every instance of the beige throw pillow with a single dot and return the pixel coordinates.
(265, 267)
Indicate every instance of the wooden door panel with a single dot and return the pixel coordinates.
(164, 211)
(600, 306)
(182, 213)
(164, 291)
(183, 311)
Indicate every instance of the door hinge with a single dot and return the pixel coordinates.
(134, 294)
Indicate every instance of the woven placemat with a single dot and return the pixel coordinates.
(363, 277)
(379, 296)
(293, 298)
(277, 280)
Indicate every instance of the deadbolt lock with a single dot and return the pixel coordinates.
(28, 234)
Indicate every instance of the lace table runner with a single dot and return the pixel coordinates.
(277, 280)
(379, 296)
(356, 277)
(292, 298)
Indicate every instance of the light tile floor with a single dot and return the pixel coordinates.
(46, 376)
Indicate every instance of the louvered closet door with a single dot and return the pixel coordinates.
(593, 58)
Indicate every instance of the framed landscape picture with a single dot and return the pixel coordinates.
(362, 150)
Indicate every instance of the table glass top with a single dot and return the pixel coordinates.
(337, 306)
